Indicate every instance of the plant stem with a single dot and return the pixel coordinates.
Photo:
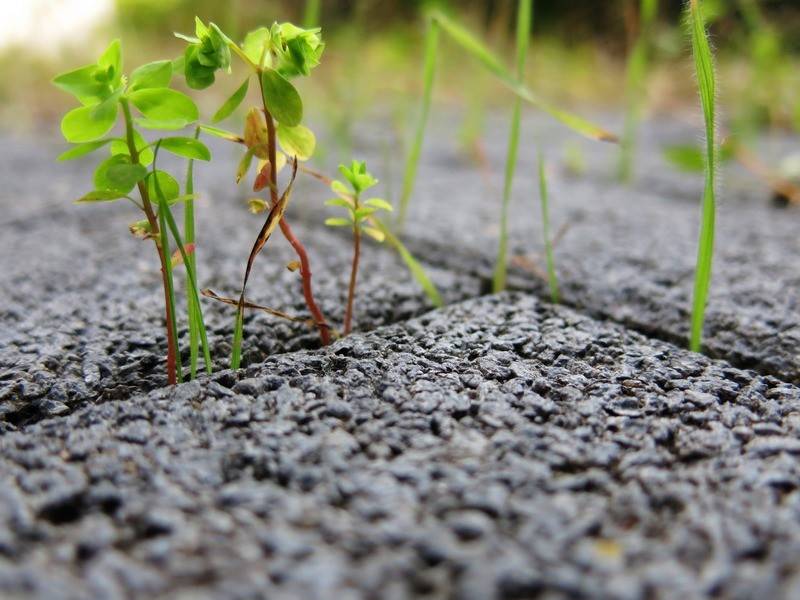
(305, 267)
(351, 293)
(172, 368)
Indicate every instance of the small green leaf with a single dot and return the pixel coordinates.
(165, 105)
(152, 75)
(101, 196)
(376, 234)
(88, 123)
(83, 83)
(338, 222)
(281, 98)
(83, 150)
(363, 212)
(168, 186)
(170, 125)
(221, 133)
(379, 203)
(232, 103)
(340, 188)
(244, 165)
(111, 63)
(340, 202)
(198, 76)
(186, 147)
(116, 173)
(183, 198)
(297, 141)
(120, 146)
(254, 45)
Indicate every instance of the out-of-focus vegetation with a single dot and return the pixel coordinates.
(577, 55)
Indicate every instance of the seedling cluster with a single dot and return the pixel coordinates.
(274, 138)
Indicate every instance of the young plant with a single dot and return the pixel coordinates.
(359, 181)
(548, 244)
(104, 93)
(524, 18)
(704, 65)
(273, 55)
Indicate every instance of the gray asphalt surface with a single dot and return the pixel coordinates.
(501, 447)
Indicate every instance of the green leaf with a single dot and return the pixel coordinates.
(232, 103)
(379, 203)
(281, 98)
(244, 165)
(337, 222)
(363, 212)
(101, 196)
(198, 76)
(254, 45)
(111, 63)
(184, 198)
(120, 146)
(686, 158)
(340, 188)
(340, 202)
(83, 83)
(88, 123)
(171, 125)
(376, 234)
(83, 150)
(165, 105)
(116, 173)
(152, 75)
(221, 133)
(297, 141)
(168, 186)
(186, 147)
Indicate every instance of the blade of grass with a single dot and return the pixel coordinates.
(172, 320)
(548, 246)
(524, 18)
(482, 54)
(635, 76)
(704, 65)
(412, 161)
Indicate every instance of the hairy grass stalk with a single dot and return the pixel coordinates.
(704, 65)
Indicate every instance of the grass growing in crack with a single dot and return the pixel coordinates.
(704, 65)
(105, 92)
(552, 278)
(524, 19)
(636, 73)
(359, 180)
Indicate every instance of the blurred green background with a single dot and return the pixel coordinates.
(373, 56)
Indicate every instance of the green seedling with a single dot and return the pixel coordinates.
(349, 197)
(274, 56)
(704, 65)
(636, 73)
(552, 279)
(524, 19)
(104, 93)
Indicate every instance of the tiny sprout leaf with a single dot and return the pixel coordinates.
(186, 147)
(363, 212)
(340, 202)
(254, 45)
(152, 75)
(257, 205)
(165, 105)
(297, 141)
(232, 103)
(379, 203)
(244, 165)
(294, 266)
(111, 63)
(376, 234)
(340, 188)
(281, 98)
(263, 178)
(140, 229)
(338, 222)
(221, 133)
(83, 150)
(101, 196)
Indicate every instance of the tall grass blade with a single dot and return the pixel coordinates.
(524, 18)
(417, 270)
(704, 65)
(412, 161)
(548, 244)
(635, 77)
(482, 54)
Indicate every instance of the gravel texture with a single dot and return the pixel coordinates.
(500, 447)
